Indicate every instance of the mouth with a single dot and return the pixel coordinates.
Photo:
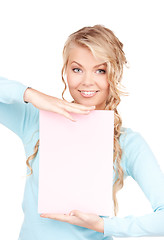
(88, 93)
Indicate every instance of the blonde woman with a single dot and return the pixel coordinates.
(93, 61)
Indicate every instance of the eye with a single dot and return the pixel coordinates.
(76, 70)
(102, 71)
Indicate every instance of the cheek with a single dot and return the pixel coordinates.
(69, 79)
(104, 84)
(107, 86)
(72, 81)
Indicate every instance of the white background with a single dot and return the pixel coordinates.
(32, 35)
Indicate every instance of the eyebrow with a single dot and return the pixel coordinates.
(94, 66)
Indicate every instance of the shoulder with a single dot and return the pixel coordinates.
(130, 138)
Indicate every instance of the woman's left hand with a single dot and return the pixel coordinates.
(76, 217)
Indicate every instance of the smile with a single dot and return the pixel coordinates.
(88, 93)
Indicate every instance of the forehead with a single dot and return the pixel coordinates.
(83, 55)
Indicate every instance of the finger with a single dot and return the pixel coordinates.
(77, 106)
(76, 110)
(60, 217)
(78, 214)
(65, 114)
(82, 107)
(66, 218)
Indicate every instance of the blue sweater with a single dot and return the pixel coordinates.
(138, 162)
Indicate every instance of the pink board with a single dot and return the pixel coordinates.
(76, 163)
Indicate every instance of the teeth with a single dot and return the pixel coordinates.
(88, 92)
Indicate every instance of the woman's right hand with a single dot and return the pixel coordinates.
(53, 104)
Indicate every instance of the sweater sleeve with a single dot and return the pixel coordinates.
(143, 167)
(16, 114)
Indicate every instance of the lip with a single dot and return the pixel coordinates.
(90, 95)
(88, 90)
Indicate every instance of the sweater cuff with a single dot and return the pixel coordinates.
(20, 90)
(24, 92)
(108, 226)
(112, 227)
(120, 227)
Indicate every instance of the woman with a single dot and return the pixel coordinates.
(93, 63)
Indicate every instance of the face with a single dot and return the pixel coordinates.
(87, 78)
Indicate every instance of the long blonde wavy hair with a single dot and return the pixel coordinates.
(103, 44)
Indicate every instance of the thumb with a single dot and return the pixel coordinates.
(78, 214)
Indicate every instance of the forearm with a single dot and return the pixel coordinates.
(30, 94)
(131, 226)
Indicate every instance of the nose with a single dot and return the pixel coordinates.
(88, 79)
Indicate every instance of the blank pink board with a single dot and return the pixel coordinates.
(76, 163)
